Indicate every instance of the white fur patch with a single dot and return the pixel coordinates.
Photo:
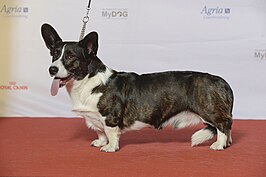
(104, 77)
(62, 72)
(94, 120)
(85, 102)
(113, 135)
(101, 141)
(220, 144)
(183, 119)
(81, 92)
(201, 136)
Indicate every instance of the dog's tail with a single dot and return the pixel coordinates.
(203, 135)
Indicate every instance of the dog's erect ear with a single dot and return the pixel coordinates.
(90, 42)
(50, 36)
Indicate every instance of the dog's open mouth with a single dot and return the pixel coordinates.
(58, 83)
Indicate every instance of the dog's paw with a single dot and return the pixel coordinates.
(109, 148)
(217, 146)
(98, 143)
(229, 142)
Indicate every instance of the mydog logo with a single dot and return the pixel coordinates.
(12, 85)
(14, 11)
(115, 13)
(260, 54)
(216, 12)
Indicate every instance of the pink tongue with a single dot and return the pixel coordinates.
(55, 86)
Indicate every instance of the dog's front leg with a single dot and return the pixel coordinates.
(113, 135)
(101, 141)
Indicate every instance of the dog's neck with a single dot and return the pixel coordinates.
(96, 66)
(81, 90)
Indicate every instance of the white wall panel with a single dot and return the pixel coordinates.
(222, 37)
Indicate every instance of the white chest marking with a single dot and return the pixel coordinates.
(81, 92)
(85, 102)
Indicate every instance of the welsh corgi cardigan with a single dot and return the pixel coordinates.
(114, 102)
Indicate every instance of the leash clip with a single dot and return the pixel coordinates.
(85, 21)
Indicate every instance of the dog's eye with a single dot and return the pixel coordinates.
(70, 56)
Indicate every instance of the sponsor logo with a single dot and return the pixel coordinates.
(260, 54)
(216, 12)
(14, 11)
(115, 13)
(13, 86)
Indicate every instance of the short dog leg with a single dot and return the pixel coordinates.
(113, 135)
(101, 141)
(229, 141)
(220, 144)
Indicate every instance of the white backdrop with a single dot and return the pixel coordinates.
(222, 37)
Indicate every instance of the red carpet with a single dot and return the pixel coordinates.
(60, 147)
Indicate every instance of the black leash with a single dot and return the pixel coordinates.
(85, 20)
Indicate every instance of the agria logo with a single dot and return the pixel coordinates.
(216, 12)
(14, 11)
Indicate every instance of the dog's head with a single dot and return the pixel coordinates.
(70, 60)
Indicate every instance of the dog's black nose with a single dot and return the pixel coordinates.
(53, 70)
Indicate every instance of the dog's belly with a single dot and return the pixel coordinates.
(181, 120)
(136, 126)
(184, 119)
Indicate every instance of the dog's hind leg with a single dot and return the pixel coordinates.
(223, 135)
(220, 144)
(203, 135)
(113, 135)
(229, 141)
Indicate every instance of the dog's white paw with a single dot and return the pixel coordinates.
(217, 146)
(98, 143)
(109, 148)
